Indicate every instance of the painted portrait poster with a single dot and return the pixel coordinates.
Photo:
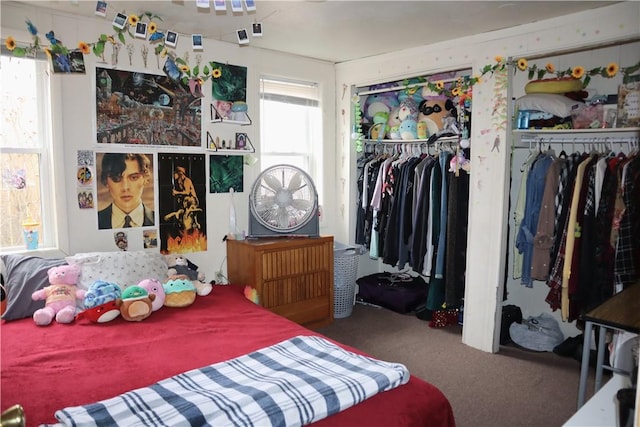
(182, 203)
(147, 109)
(125, 185)
(225, 173)
(229, 92)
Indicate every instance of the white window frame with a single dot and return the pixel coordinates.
(304, 90)
(53, 227)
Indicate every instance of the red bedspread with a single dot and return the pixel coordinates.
(49, 368)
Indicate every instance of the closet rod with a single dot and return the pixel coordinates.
(579, 140)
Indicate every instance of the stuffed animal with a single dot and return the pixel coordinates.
(379, 102)
(154, 287)
(60, 296)
(433, 110)
(101, 302)
(136, 303)
(179, 268)
(179, 293)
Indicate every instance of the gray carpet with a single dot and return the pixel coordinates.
(514, 387)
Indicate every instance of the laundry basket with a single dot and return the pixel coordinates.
(345, 272)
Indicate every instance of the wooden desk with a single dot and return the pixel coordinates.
(620, 312)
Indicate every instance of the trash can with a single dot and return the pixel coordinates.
(345, 272)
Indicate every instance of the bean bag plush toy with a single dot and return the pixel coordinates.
(181, 268)
(101, 302)
(60, 296)
(179, 293)
(432, 111)
(154, 287)
(136, 303)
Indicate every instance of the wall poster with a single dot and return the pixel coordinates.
(225, 173)
(147, 109)
(182, 202)
(125, 190)
(229, 92)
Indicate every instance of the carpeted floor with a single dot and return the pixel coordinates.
(514, 387)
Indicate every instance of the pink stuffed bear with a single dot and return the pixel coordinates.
(60, 296)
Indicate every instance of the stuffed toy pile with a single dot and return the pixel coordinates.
(180, 268)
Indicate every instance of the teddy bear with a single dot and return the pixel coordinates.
(60, 296)
(179, 268)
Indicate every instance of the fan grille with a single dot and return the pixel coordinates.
(283, 199)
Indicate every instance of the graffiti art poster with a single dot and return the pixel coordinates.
(182, 203)
(147, 109)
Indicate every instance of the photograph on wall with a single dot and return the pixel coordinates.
(85, 198)
(146, 109)
(229, 92)
(182, 203)
(72, 62)
(225, 172)
(150, 238)
(125, 190)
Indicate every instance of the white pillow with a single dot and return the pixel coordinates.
(121, 268)
(552, 103)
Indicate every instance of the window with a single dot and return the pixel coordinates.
(291, 126)
(26, 153)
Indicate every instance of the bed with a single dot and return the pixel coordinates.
(46, 369)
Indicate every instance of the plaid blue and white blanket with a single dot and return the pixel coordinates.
(293, 383)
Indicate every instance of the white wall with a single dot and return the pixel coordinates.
(76, 128)
(487, 240)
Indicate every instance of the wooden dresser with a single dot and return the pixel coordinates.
(293, 276)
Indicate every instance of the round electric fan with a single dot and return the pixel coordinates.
(283, 201)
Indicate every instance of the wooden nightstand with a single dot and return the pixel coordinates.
(293, 276)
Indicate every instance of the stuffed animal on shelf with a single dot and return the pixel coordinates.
(136, 303)
(179, 293)
(101, 302)
(433, 110)
(60, 296)
(180, 268)
(154, 287)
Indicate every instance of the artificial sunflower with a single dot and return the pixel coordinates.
(499, 58)
(152, 28)
(84, 48)
(133, 20)
(550, 68)
(216, 73)
(440, 85)
(522, 64)
(612, 69)
(184, 68)
(10, 43)
(456, 91)
(111, 39)
(577, 72)
(47, 51)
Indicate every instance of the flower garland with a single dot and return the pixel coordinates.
(155, 37)
(578, 72)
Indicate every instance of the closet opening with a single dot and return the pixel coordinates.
(413, 143)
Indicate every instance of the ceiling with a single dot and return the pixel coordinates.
(335, 30)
